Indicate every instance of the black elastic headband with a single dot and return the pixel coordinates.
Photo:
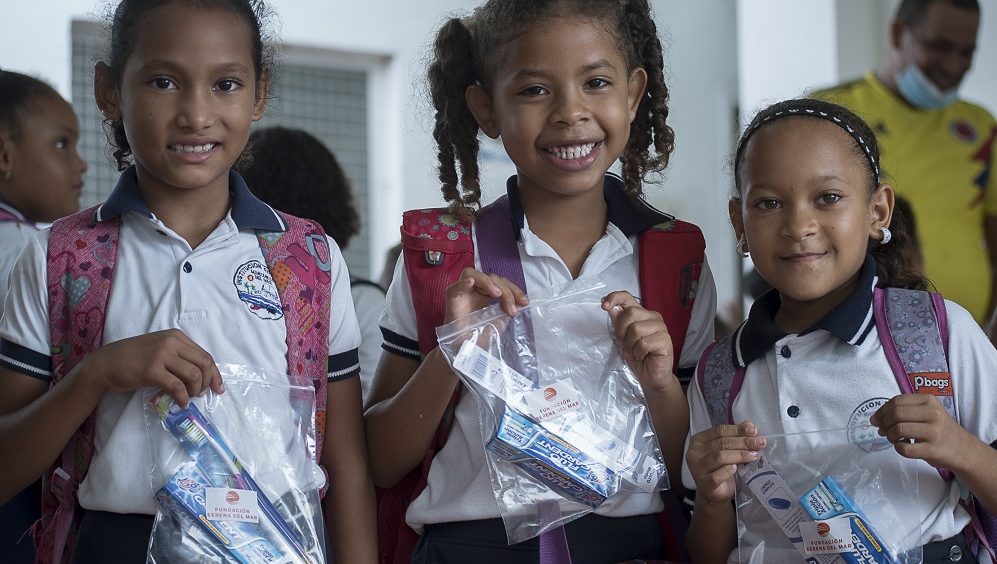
(822, 115)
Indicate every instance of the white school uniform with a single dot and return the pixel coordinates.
(13, 236)
(161, 283)
(837, 371)
(368, 300)
(459, 487)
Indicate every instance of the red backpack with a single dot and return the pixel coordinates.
(437, 246)
(81, 261)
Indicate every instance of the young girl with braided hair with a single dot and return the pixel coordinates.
(570, 86)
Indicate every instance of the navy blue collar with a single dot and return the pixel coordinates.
(248, 211)
(851, 321)
(631, 215)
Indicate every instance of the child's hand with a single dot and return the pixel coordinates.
(714, 454)
(168, 360)
(919, 427)
(475, 290)
(643, 339)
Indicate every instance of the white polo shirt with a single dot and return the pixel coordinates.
(368, 300)
(837, 371)
(13, 236)
(161, 283)
(459, 487)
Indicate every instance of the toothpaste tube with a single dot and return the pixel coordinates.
(183, 497)
(552, 461)
(827, 500)
(562, 418)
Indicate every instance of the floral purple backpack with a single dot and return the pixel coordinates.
(913, 328)
(81, 260)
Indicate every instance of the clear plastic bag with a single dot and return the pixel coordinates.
(826, 494)
(563, 418)
(235, 475)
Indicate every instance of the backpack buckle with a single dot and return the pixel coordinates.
(434, 258)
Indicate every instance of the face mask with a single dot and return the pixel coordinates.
(920, 92)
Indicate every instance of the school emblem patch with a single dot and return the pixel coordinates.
(257, 290)
(860, 433)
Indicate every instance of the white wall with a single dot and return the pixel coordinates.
(786, 47)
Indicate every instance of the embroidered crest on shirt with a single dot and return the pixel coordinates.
(257, 290)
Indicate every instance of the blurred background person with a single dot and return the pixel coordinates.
(41, 178)
(294, 172)
(938, 147)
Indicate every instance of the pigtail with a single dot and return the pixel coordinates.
(895, 261)
(456, 131)
(649, 127)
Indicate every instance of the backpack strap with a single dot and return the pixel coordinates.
(80, 270)
(437, 246)
(300, 262)
(670, 263)
(913, 328)
(720, 379)
(914, 336)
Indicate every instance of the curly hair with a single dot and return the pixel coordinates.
(894, 261)
(124, 29)
(468, 51)
(294, 172)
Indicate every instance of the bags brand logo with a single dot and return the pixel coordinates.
(933, 383)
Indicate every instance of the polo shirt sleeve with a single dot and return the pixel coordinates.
(699, 420)
(398, 324)
(344, 331)
(972, 364)
(700, 333)
(24, 326)
(14, 236)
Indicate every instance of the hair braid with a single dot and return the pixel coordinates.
(650, 125)
(456, 131)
